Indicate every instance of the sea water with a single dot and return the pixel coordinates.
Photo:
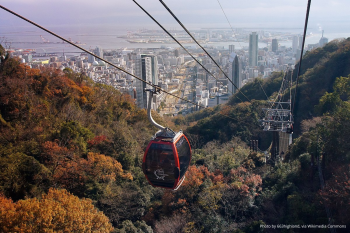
(107, 37)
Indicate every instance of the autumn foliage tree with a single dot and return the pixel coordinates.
(240, 192)
(57, 211)
(208, 199)
(336, 194)
(59, 129)
(195, 176)
(74, 174)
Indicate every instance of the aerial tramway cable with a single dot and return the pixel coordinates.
(228, 21)
(168, 155)
(225, 15)
(194, 39)
(92, 54)
(328, 212)
(262, 88)
(166, 31)
(302, 51)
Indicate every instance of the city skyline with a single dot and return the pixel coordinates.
(119, 13)
(165, 64)
(129, 13)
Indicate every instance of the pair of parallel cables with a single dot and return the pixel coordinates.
(151, 84)
(107, 62)
(301, 54)
(167, 32)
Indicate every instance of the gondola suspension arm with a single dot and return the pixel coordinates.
(149, 108)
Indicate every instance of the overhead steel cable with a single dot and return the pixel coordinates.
(280, 90)
(302, 50)
(194, 39)
(166, 31)
(272, 103)
(263, 90)
(239, 42)
(225, 16)
(107, 62)
(228, 21)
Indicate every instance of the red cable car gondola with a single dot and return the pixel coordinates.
(167, 157)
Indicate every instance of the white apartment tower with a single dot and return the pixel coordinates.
(253, 49)
(146, 68)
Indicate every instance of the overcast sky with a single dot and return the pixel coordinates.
(327, 14)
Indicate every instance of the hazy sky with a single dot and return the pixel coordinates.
(327, 14)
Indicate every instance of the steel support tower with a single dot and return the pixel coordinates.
(278, 119)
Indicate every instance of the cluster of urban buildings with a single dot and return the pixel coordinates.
(162, 66)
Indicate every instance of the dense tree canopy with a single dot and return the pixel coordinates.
(71, 155)
(57, 211)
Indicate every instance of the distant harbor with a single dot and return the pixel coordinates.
(28, 42)
(165, 41)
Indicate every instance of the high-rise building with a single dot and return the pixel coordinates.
(295, 44)
(53, 59)
(63, 58)
(80, 64)
(99, 52)
(28, 58)
(253, 49)
(91, 58)
(323, 40)
(234, 74)
(297, 54)
(146, 69)
(231, 48)
(301, 41)
(274, 45)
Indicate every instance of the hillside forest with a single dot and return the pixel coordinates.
(71, 154)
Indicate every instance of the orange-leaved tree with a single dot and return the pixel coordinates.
(74, 174)
(336, 193)
(240, 192)
(195, 176)
(57, 211)
(105, 168)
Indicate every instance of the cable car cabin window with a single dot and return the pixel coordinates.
(160, 164)
(184, 152)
